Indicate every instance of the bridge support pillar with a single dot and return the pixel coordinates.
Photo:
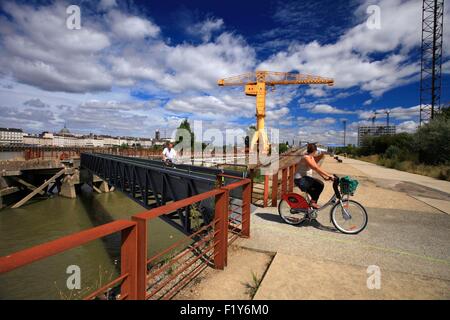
(68, 187)
(104, 187)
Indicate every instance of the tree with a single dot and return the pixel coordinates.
(184, 125)
(433, 141)
(282, 147)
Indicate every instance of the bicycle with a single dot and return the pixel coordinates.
(168, 163)
(352, 217)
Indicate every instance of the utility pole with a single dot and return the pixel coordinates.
(431, 61)
(387, 118)
(345, 129)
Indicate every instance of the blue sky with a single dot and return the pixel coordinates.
(137, 66)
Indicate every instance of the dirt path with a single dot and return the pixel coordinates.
(236, 283)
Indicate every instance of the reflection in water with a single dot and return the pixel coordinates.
(99, 261)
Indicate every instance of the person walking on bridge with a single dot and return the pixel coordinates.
(303, 177)
(169, 154)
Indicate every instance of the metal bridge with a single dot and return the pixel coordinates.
(152, 184)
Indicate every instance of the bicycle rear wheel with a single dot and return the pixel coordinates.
(352, 220)
(290, 216)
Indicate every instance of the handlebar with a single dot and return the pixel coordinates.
(336, 186)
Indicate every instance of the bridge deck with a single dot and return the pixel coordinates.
(152, 184)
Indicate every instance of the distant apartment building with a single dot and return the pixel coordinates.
(64, 138)
(374, 131)
(37, 140)
(11, 136)
(110, 142)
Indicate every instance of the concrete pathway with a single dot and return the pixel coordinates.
(322, 279)
(407, 238)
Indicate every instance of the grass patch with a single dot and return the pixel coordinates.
(252, 287)
(441, 172)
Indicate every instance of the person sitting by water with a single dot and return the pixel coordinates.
(303, 177)
(169, 154)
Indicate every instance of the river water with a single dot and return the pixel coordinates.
(45, 220)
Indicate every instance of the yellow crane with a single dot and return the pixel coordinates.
(255, 85)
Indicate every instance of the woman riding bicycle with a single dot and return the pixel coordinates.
(303, 176)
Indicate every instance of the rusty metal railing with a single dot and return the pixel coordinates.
(207, 245)
(128, 253)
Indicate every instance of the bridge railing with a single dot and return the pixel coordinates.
(277, 184)
(160, 276)
(145, 277)
(128, 253)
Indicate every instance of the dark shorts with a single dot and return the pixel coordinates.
(310, 185)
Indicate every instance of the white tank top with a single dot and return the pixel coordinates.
(303, 169)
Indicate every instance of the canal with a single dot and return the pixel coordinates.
(44, 220)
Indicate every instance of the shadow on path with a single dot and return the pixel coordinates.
(313, 223)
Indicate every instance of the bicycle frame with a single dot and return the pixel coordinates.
(336, 196)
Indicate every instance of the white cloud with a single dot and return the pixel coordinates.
(184, 66)
(131, 27)
(399, 113)
(107, 4)
(407, 126)
(205, 29)
(39, 50)
(349, 60)
(325, 108)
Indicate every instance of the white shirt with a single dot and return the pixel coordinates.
(303, 169)
(170, 154)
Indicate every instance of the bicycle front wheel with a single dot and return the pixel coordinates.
(350, 217)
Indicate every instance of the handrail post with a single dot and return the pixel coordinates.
(284, 181)
(291, 178)
(274, 189)
(128, 262)
(221, 230)
(246, 200)
(141, 277)
(266, 191)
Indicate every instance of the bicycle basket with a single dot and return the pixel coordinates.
(348, 185)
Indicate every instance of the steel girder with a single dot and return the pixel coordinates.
(152, 184)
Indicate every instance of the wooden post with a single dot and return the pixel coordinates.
(274, 189)
(284, 181)
(266, 191)
(291, 178)
(37, 190)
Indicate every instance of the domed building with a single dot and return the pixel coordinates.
(64, 131)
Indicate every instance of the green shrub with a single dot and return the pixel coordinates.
(433, 142)
(393, 152)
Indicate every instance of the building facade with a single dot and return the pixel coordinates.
(64, 138)
(11, 136)
(374, 131)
